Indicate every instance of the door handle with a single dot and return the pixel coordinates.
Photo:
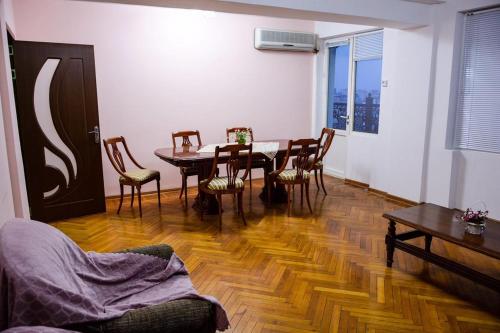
(97, 134)
(346, 119)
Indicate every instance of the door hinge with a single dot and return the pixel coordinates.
(13, 74)
(11, 50)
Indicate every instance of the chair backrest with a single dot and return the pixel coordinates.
(325, 139)
(185, 135)
(115, 156)
(307, 147)
(237, 153)
(231, 133)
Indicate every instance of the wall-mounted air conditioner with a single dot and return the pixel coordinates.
(269, 39)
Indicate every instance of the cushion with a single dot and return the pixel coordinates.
(220, 183)
(310, 160)
(140, 175)
(291, 174)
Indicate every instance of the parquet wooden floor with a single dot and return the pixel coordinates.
(307, 273)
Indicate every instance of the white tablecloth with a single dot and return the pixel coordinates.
(269, 149)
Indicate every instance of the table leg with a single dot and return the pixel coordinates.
(209, 202)
(428, 240)
(390, 240)
(278, 191)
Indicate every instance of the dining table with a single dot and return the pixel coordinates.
(191, 156)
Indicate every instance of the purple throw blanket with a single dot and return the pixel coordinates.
(47, 280)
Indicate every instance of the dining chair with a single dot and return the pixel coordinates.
(235, 157)
(325, 140)
(186, 171)
(300, 175)
(134, 178)
(257, 163)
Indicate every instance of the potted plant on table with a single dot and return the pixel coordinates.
(241, 136)
(475, 221)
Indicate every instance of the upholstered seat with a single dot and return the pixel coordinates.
(140, 175)
(318, 164)
(291, 175)
(325, 139)
(186, 171)
(221, 183)
(218, 186)
(135, 178)
(307, 154)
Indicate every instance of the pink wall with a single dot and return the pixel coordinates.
(161, 70)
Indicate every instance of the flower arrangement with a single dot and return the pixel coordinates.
(474, 216)
(241, 136)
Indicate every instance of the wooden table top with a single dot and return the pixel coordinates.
(443, 223)
(183, 155)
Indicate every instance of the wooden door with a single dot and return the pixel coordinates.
(58, 120)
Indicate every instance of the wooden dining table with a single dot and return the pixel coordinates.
(189, 157)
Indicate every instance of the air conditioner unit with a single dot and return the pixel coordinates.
(269, 39)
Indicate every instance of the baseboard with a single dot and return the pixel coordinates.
(334, 172)
(387, 196)
(356, 183)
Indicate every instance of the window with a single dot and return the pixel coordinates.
(367, 82)
(355, 95)
(477, 123)
(338, 83)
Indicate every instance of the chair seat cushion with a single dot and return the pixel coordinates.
(291, 174)
(318, 164)
(140, 175)
(220, 183)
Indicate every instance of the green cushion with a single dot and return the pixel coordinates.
(220, 183)
(291, 174)
(140, 175)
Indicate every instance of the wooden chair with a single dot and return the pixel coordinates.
(186, 171)
(135, 178)
(326, 139)
(231, 137)
(300, 174)
(231, 184)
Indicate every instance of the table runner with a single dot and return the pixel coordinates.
(269, 149)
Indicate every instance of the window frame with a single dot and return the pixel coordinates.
(351, 85)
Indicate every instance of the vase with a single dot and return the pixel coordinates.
(475, 228)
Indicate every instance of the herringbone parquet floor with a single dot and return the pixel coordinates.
(319, 273)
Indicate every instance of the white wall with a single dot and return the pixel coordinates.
(13, 199)
(457, 179)
(392, 160)
(161, 70)
(409, 157)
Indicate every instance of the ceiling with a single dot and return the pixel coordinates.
(427, 2)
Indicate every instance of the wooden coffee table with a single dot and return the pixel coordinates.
(430, 221)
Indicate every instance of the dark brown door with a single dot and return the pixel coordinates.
(59, 129)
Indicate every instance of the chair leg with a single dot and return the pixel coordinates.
(182, 186)
(140, 200)
(289, 199)
(322, 182)
(307, 197)
(269, 190)
(250, 175)
(132, 197)
(158, 188)
(121, 199)
(301, 194)
(240, 207)
(201, 199)
(185, 192)
(316, 178)
(219, 201)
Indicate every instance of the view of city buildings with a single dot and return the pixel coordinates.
(366, 110)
